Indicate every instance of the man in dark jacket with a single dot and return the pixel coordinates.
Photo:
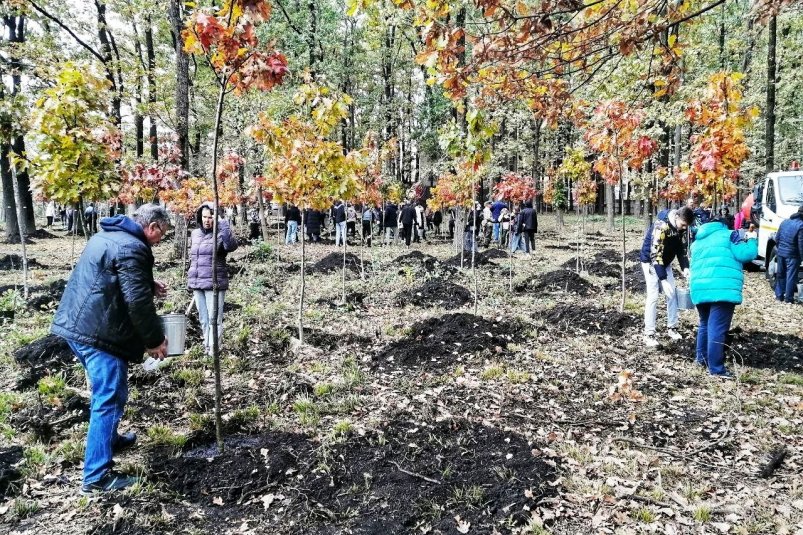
(407, 218)
(496, 211)
(790, 251)
(390, 222)
(108, 318)
(527, 226)
(664, 241)
(313, 219)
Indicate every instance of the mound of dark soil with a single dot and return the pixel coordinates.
(42, 234)
(392, 482)
(574, 318)
(334, 262)
(10, 474)
(435, 292)
(427, 263)
(14, 261)
(242, 471)
(562, 280)
(42, 357)
(414, 257)
(439, 342)
(494, 253)
(47, 295)
(482, 258)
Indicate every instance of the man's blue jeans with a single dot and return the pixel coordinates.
(786, 279)
(340, 233)
(108, 378)
(715, 321)
(517, 243)
(292, 229)
(495, 236)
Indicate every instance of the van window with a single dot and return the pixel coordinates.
(770, 202)
(790, 189)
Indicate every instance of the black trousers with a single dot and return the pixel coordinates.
(407, 230)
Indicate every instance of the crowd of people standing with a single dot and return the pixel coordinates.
(501, 223)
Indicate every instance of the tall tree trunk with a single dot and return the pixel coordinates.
(182, 109)
(20, 217)
(536, 156)
(152, 136)
(16, 36)
(139, 119)
(108, 61)
(769, 132)
(182, 83)
(312, 36)
(9, 201)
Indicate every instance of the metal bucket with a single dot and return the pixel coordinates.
(684, 299)
(175, 328)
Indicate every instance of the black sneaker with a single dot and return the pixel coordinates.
(110, 481)
(124, 441)
(726, 376)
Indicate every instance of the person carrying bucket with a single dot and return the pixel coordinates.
(199, 277)
(108, 317)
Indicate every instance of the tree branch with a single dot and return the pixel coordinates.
(289, 21)
(64, 27)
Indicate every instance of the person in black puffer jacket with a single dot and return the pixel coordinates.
(108, 317)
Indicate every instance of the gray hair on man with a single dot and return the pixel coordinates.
(151, 213)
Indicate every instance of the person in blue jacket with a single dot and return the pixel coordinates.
(790, 251)
(108, 317)
(718, 256)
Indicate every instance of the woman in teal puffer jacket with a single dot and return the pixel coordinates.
(717, 263)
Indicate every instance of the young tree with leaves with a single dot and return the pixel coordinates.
(614, 135)
(306, 167)
(226, 38)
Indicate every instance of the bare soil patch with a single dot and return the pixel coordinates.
(408, 477)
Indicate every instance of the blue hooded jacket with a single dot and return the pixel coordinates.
(108, 302)
(717, 264)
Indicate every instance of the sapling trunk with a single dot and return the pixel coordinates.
(345, 243)
(213, 321)
(303, 283)
(624, 241)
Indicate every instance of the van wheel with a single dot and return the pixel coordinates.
(772, 267)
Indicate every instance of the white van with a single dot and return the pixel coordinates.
(779, 196)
